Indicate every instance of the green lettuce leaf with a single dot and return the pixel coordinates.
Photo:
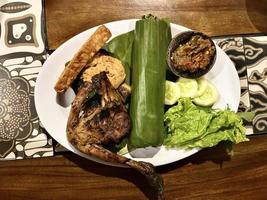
(248, 116)
(190, 126)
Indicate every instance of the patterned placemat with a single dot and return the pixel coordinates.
(249, 54)
(22, 53)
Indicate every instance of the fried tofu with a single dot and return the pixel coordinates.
(84, 56)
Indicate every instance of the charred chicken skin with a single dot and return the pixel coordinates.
(97, 118)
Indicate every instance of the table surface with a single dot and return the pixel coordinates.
(209, 174)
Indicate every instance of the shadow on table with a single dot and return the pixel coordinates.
(257, 13)
(216, 154)
(109, 171)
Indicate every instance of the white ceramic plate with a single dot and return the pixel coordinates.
(54, 116)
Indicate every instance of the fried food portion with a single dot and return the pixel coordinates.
(103, 119)
(112, 66)
(125, 91)
(98, 117)
(82, 58)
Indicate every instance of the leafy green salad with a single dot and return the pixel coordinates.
(190, 126)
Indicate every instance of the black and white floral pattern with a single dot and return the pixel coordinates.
(234, 48)
(15, 107)
(256, 61)
(249, 55)
(22, 54)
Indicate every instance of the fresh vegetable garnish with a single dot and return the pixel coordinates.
(247, 116)
(209, 97)
(192, 126)
(202, 86)
(188, 87)
(202, 91)
(172, 92)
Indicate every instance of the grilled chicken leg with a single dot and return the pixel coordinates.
(98, 117)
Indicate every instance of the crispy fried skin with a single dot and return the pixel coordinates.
(82, 58)
(91, 127)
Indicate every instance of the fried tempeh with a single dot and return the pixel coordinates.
(82, 58)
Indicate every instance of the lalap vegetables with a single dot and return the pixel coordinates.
(192, 126)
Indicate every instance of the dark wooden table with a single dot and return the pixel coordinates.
(209, 174)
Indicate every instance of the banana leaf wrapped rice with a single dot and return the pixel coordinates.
(143, 52)
(151, 40)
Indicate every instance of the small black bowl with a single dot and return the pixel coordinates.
(183, 38)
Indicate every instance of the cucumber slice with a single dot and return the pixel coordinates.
(172, 93)
(209, 97)
(202, 86)
(188, 87)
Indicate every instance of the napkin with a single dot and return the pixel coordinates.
(22, 53)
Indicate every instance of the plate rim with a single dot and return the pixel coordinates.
(74, 150)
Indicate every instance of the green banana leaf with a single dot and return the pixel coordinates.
(151, 39)
(121, 47)
(143, 54)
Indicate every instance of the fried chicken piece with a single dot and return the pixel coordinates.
(82, 58)
(97, 118)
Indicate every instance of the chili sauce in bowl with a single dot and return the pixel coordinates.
(191, 54)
